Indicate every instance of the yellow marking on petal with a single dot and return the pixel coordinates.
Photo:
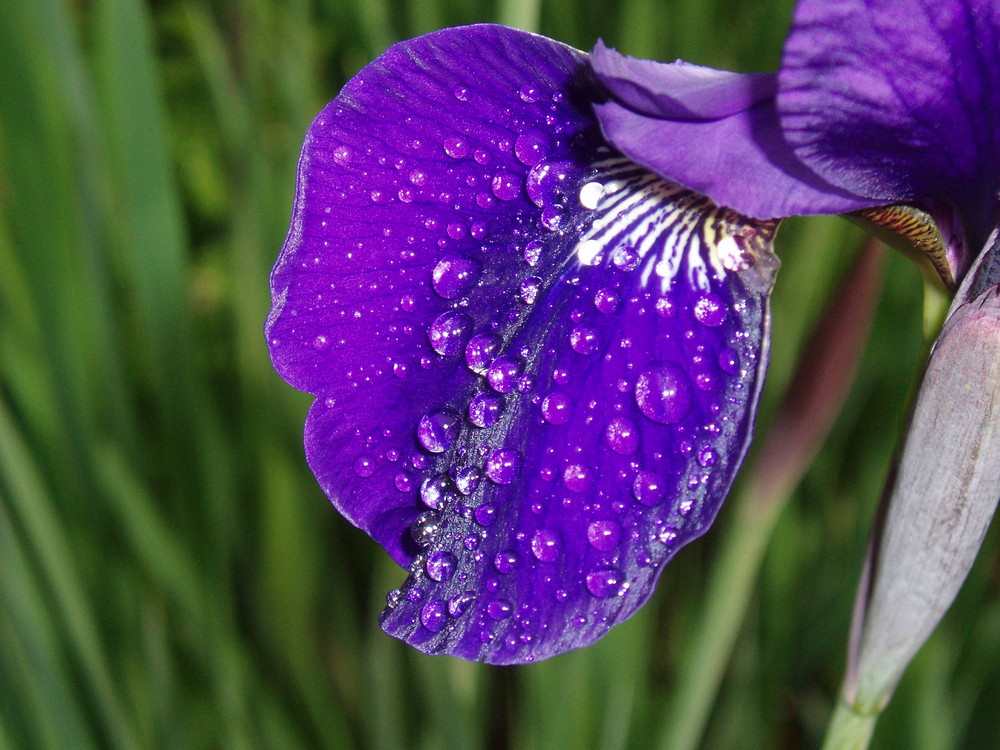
(911, 231)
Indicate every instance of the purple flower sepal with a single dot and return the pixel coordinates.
(535, 363)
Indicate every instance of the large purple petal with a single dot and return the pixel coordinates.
(535, 363)
(715, 132)
(898, 101)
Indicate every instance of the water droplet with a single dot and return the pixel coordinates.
(729, 361)
(438, 430)
(471, 542)
(407, 302)
(591, 194)
(485, 514)
(604, 535)
(506, 561)
(606, 300)
(583, 340)
(436, 491)
(449, 332)
(342, 155)
(707, 457)
(529, 93)
(605, 583)
(480, 351)
(364, 466)
(503, 373)
(401, 370)
(529, 289)
(440, 566)
(548, 180)
(546, 545)
(625, 258)
(403, 482)
(462, 94)
(393, 598)
(533, 252)
(456, 146)
(710, 311)
(557, 408)
(456, 230)
(622, 436)
(499, 609)
(502, 465)
(321, 343)
(663, 393)
(467, 479)
(453, 277)
(418, 177)
(531, 146)
(459, 604)
(478, 229)
(506, 186)
(577, 478)
(434, 615)
(649, 488)
(425, 528)
(552, 218)
(485, 409)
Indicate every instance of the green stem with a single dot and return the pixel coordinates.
(848, 729)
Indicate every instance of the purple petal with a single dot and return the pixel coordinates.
(535, 363)
(898, 101)
(735, 153)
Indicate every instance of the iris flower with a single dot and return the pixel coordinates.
(529, 288)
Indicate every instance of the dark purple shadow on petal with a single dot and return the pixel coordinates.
(899, 101)
(736, 153)
(535, 363)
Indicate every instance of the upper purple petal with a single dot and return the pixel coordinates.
(535, 363)
(714, 132)
(898, 101)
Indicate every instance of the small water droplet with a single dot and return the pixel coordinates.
(663, 393)
(456, 146)
(583, 340)
(531, 146)
(529, 93)
(434, 615)
(449, 332)
(529, 289)
(459, 604)
(364, 466)
(506, 561)
(403, 482)
(649, 488)
(625, 258)
(729, 361)
(709, 310)
(499, 609)
(591, 194)
(485, 409)
(606, 300)
(552, 218)
(533, 252)
(456, 230)
(479, 230)
(342, 155)
(440, 566)
(502, 465)
(467, 479)
(604, 535)
(438, 430)
(453, 277)
(485, 514)
(577, 478)
(622, 436)
(462, 94)
(546, 545)
(707, 457)
(605, 583)
(548, 181)
(506, 186)
(557, 408)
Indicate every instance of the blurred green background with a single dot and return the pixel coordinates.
(170, 574)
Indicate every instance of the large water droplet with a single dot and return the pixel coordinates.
(440, 566)
(485, 409)
(502, 465)
(663, 393)
(438, 430)
(710, 311)
(577, 478)
(480, 351)
(425, 528)
(503, 374)
(434, 615)
(548, 180)
(649, 488)
(546, 545)
(436, 491)
(531, 147)
(506, 561)
(456, 146)
(622, 436)
(449, 332)
(557, 408)
(605, 583)
(467, 479)
(583, 340)
(364, 466)
(506, 186)
(453, 277)
(604, 535)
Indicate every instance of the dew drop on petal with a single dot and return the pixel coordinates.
(341, 156)
(529, 93)
(502, 465)
(467, 479)
(506, 186)
(438, 430)
(364, 466)
(577, 478)
(485, 409)
(459, 604)
(604, 535)
(480, 351)
(606, 300)
(403, 482)
(546, 545)
(434, 615)
(729, 361)
(622, 436)
(506, 561)
(499, 609)
(709, 310)
(449, 332)
(440, 566)
(456, 146)
(605, 583)
(583, 340)
(485, 514)
(425, 528)
(435, 491)
(503, 373)
(649, 488)
(533, 252)
(529, 289)
(557, 408)
(663, 393)
(625, 258)
(453, 277)
(531, 146)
